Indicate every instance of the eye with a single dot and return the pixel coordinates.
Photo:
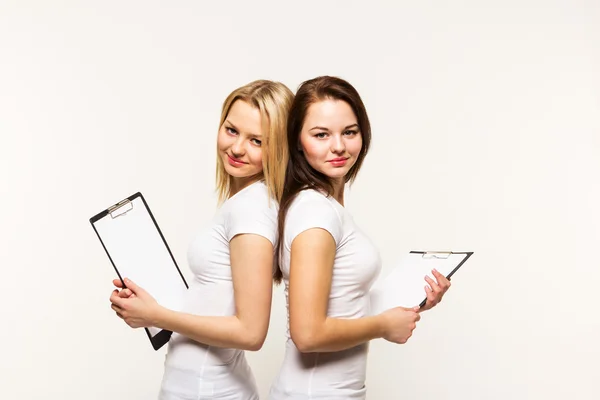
(256, 142)
(231, 131)
(321, 135)
(350, 132)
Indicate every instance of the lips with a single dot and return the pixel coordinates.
(234, 161)
(339, 161)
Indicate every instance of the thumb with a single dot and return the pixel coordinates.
(408, 308)
(133, 287)
(416, 308)
(118, 283)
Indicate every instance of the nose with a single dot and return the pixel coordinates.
(238, 147)
(337, 144)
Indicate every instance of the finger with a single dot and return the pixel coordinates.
(116, 300)
(434, 286)
(113, 293)
(125, 293)
(132, 286)
(430, 295)
(438, 276)
(432, 299)
(441, 279)
(118, 283)
(117, 310)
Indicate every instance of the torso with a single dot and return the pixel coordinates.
(198, 370)
(331, 375)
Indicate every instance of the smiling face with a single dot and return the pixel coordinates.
(239, 141)
(330, 138)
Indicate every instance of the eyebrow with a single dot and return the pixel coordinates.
(325, 129)
(236, 128)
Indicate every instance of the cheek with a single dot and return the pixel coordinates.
(355, 147)
(255, 156)
(311, 150)
(313, 153)
(222, 140)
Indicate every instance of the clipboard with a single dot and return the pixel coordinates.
(404, 286)
(138, 250)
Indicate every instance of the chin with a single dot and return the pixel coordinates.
(336, 174)
(236, 172)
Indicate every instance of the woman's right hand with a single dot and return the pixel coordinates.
(399, 323)
(123, 293)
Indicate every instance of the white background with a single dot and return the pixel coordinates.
(486, 137)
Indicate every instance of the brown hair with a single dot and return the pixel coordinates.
(299, 174)
(273, 100)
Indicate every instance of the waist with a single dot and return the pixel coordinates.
(232, 382)
(188, 354)
(199, 371)
(330, 375)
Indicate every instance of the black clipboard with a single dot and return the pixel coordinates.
(138, 250)
(441, 254)
(404, 285)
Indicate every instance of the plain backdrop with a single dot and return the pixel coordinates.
(486, 138)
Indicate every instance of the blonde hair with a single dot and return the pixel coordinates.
(273, 100)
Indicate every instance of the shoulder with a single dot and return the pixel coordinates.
(253, 198)
(312, 209)
(252, 211)
(310, 198)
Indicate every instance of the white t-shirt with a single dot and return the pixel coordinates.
(329, 375)
(194, 370)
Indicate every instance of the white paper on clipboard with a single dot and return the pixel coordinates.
(404, 286)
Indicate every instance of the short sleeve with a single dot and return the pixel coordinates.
(312, 210)
(253, 217)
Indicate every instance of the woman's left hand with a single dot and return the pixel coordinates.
(138, 310)
(435, 290)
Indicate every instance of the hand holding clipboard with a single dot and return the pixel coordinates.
(403, 287)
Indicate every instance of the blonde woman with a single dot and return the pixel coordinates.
(228, 304)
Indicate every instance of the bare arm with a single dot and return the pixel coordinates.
(311, 271)
(251, 267)
(313, 252)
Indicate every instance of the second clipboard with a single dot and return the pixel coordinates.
(404, 286)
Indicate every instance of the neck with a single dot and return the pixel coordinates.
(238, 184)
(338, 191)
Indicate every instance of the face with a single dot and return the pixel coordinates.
(239, 141)
(330, 138)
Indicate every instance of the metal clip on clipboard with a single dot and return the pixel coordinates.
(119, 205)
(437, 254)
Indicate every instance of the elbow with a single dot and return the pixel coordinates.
(305, 340)
(254, 341)
(254, 345)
